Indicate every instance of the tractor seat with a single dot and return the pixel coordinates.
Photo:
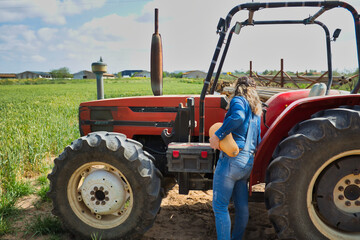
(319, 89)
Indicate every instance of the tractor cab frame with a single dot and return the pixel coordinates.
(263, 157)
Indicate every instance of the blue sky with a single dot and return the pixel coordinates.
(42, 35)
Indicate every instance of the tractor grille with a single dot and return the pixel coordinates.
(102, 117)
(101, 114)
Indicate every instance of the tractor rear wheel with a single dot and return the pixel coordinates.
(104, 184)
(313, 183)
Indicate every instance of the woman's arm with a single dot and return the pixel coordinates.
(235, 118)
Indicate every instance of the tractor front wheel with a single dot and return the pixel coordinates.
(313, 183)
(105, 185)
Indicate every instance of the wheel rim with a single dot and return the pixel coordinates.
(344, 186)
(100, 195)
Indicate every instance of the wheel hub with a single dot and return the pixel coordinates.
(336, 196)
(352, 192)
(347, 194)
(103, 192)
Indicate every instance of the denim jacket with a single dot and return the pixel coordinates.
(237, 122)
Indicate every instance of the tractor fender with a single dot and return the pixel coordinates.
(297, 111)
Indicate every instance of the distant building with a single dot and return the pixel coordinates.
(84, 75)
(108, 76)
(142, 74)
(7, 75)
(129, 73)
(194, 74)
(33, 75)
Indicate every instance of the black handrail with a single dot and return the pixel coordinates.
(224, 25)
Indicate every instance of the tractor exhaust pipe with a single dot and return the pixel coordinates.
(99, 68)
(156, 63)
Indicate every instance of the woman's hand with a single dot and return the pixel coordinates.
(214, 142)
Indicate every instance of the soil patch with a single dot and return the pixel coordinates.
(181, 217)
(191, 217)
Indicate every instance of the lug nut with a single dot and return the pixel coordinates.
(341, 197)
(92, 198)
(341, 188)
(347, 181)
(357, 181)
(106, 199)
(95, 189)
(106, 192)
(92, 192)
(348, 203)
(103, 203)
(357, 203)
(97, 202)
(101, 189)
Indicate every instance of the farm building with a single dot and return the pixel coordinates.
(33, 75)
(108, 76)
(84, 75)
(142, 74)
(7, 75)
(194, 74)
(129, 73)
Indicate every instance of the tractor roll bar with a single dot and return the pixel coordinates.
(326, 5)
(212, 90)
(274, 22)
(224, 24)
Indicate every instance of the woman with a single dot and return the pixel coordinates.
(231, 174)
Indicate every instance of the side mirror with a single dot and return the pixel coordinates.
(221, 25)
(238, 27)
(336, 34)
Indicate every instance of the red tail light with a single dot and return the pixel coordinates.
(176, 154)
(204, 154)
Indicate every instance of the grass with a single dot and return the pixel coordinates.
(14, 190)
(95, 236)
(44, 188)
(42, 193)
(42, 180)
(38, 118)
(44, 225)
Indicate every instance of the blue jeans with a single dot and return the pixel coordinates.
(230, 180)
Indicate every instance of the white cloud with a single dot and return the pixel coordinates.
(47, 34)
(18, 38)
(123, 42)
(38, 58)
(50, 11)
(189, 38)
(29, 35)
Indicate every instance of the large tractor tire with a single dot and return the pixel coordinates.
(105, 185)
(313, 183)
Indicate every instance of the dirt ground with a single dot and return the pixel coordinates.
(191, 217)
(181, 217)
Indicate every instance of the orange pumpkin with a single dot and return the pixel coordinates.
(228, 144)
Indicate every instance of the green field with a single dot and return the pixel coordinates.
(39, 118)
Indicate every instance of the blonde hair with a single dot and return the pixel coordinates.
(246, 87)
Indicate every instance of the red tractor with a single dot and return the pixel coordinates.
(111, 180)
